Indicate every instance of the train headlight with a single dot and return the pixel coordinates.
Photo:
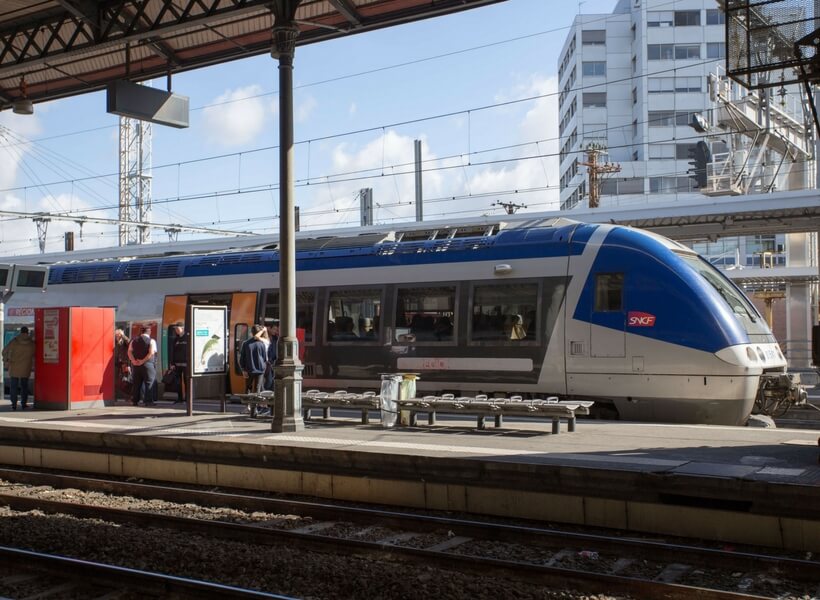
(760, 354)
(751, 354)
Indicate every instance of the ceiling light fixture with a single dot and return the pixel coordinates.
(22, 106)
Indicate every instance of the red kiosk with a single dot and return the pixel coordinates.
(74, 357)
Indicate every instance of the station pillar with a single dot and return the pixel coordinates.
(287, 414)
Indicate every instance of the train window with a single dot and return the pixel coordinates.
(240, 333)
(305, 302)
(425, 314)
(353, 315)
(609, 292)
(505, 312)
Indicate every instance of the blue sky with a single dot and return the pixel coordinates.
(369, 83)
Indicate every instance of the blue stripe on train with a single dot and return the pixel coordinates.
(687, 310)
(507, 245)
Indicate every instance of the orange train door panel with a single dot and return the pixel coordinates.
(173, 311)
(242, 314)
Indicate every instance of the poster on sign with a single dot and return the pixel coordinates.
(209, 328)
(51, 336)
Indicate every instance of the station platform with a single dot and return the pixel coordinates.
(732, 484)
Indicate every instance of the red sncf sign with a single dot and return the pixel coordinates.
(640, 319)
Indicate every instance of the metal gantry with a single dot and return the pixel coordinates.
(135, 181)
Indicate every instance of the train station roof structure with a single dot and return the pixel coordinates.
(52, 49)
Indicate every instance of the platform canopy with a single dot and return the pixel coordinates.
(62, 48)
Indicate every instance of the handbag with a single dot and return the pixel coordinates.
(171, 380)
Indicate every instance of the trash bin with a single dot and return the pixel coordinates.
(389, 394)
(407, 391)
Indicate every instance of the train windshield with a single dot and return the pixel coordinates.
(754, 325)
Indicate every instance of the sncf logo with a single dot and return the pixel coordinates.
(640, 319)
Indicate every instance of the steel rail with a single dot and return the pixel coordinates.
(123, 577)
(587, 581)
(799, 570)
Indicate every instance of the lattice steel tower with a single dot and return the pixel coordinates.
(135, 181)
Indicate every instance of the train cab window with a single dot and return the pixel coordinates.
(305, 302)
(425, 314)
(240, 333)
(609, 292)
(505, 312)
(353, 315)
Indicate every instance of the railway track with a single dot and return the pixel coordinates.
(27, 574)
(588, 562)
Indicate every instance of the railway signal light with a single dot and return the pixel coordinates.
(699, 157)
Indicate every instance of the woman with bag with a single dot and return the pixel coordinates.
(122, 367)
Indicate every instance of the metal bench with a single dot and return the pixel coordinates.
(479, 406)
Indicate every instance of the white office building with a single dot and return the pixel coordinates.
(633, 82)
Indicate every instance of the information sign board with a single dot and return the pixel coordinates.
(209, 325)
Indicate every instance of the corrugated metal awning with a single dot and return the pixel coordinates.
(68, 47)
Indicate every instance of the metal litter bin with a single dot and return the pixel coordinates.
(389, 394)
(407, 391)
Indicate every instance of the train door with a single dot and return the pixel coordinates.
(608, 319)
(173, 311)
(241, 318)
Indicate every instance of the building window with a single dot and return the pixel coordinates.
(661, 118)
(594, 99)
(715, 16)
(660, 18)
(686, 18)
(635, 128)
(716, 50)
(594, 68)
(687, 51)
(593, 37)
(660, 51)
(661, 151)
(688, 84)
(634, 95)
(620, 187)
(669, 185)
(682, 150)
(634, 65)
(634, 32)
(635, 155)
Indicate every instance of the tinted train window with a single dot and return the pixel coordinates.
(425, 314)
(353, 315)
(609, 292)
(505, 312)
(305, 301)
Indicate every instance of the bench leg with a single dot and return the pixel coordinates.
(431, 418)
(306, 414)
(253, 410)
(326, 412)
(571, 424)
(556, 425)
(365, 417)
(480, 422)
(499, 420)
(412, 419)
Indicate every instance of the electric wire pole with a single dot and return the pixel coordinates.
(594, 169)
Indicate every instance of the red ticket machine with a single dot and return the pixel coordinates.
(74, 357)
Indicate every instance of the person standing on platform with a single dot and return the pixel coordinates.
(179, 362)
(121, 364)
(19, 356)
(273, 336)
(253, 360)
(141, 353)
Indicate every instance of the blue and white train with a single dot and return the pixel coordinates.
(633, 320)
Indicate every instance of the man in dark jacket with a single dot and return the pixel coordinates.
(19, 356)
(179, 361)
(253, 361)
(141, 353)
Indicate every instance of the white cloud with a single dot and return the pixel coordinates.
(304, 108)
(19, 236)
(15, 131)
(237, 118)
(352, 109)
(540, 124)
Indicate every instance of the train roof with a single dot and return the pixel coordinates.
(306, 240)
